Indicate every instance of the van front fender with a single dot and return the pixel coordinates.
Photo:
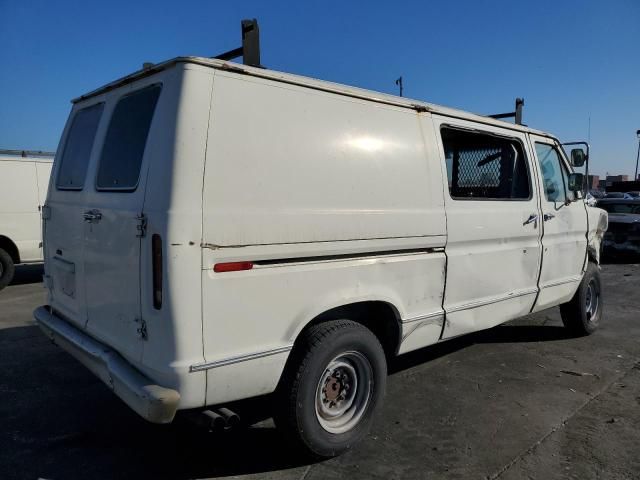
(598, 223)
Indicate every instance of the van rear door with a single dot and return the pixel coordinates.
(62, 216)
(114, 223)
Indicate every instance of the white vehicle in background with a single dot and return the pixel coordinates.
(24, 178)
(215, 232)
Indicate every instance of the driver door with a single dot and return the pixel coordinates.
(564, 226)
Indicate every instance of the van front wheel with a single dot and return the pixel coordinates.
(334, 383)
(582, 314)
(7, 269)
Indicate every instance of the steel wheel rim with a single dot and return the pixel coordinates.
(592, 300)
(343, 392)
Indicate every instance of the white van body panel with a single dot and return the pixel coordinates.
(295, 189)
(43, 175)
(23, 189)
(335, 196)
(412, 283)
(302, 166)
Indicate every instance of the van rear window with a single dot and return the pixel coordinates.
(126, 138)
(77, 149)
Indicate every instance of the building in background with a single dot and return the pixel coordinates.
(629, 186)
(615, 178)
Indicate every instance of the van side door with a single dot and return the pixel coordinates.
(494, 238)
(564, 226)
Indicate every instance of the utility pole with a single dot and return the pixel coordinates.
(399, 83)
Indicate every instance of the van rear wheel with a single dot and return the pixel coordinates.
(333, 385)
(582, 314)
(7, 269)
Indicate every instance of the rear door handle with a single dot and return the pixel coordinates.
(532, 218)
(548, 216)
(92, 216)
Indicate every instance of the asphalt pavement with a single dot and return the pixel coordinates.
(523, 400)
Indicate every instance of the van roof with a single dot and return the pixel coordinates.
(17, 158)
(313, 83)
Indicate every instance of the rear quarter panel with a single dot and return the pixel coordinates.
(295, 173)
(173, 206)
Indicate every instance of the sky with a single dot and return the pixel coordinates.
(571, 60)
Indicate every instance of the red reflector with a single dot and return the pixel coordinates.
(232, 266)
(156, 260)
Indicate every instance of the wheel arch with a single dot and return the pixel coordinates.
(11, 248)
(593, 254)
(381, 317)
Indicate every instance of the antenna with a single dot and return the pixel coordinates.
(250, 49)
(399, 83)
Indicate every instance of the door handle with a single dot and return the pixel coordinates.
(532, 218)
(548, 216)
(92, 216)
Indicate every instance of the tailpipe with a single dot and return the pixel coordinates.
(231, 419)
(213, 420)
(220, 419)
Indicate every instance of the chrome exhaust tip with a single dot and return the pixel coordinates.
(231, 419)
(213, 420)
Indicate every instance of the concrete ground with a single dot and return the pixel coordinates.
(518, 401)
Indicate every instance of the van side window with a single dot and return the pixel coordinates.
(553, 173)
(126, 138)
(77, 148)
(485, 166)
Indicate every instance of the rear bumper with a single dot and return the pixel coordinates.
(152, 402)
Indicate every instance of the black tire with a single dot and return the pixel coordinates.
(301, 402)
(581, 316)
(7, 269)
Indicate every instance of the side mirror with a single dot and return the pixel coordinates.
(576, 181)
(578, 157)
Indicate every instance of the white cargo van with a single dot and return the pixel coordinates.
(215, 232)
(24, 177)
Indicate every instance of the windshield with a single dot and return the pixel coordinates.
(628, 208)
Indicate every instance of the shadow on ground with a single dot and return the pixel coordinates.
(28, 274)
(609, 259)
(59, 421)
(500, 334)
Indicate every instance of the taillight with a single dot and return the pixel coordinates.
(156, 253)
(232, 266)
